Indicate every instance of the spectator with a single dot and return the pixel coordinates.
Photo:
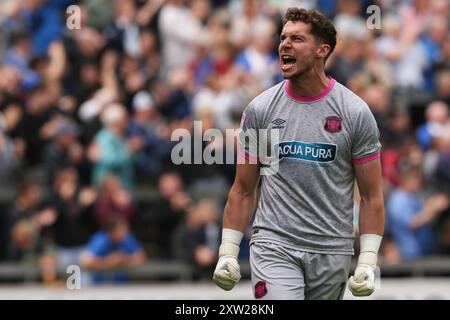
(148, 126)
(150, 56)
(441, 181)
(110, 251)
(44, 22)
(10, 20)
(169, 213)
(435, 35)
(398, 131)
(111, 152)
(441, 175)
(409, 218)
(437, 116)
(377, 97)
(350, 61)
(443, 83)
(348, 21)
(123, 32)
(19, 55)
(244, 16)
(181, 30)
(11, 152)
(74, 218)
(64, 150)
(113, 202)
(100, 12)
(9, 83)
(38, 112)
(404, 51)
(202, 238)
(27, 222)
(257, 60)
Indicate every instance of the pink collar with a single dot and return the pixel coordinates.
(298, 98)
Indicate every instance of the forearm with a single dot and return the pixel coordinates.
(96, 264)
(239, 209)
(371, 215)
(136, 259)
(107, 264)
(371, 228)
(431, 209)
(57, 64)
(148, 11)
(421, 219)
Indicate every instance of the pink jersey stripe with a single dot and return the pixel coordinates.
(298, 98)
(248, 157)
(366, 159)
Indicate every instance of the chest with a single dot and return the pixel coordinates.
(320, 129)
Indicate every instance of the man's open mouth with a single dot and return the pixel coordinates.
(287, 60)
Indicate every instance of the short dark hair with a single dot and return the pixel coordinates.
(17, 36)
(113, 222)
(321, 27)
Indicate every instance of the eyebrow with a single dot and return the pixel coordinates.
(293, 34)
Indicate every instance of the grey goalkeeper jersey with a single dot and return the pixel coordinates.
(308, 203)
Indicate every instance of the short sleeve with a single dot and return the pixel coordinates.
(366, 138)
(248, 135)
(131, 245)
(97, 246)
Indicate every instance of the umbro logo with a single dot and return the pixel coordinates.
(278, 123)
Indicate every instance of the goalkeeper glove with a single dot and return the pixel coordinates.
(228, 272)
(362, 283)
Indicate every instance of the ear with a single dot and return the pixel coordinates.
(323, 50)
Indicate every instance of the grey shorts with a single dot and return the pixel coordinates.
(283, 273)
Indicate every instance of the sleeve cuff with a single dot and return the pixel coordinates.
(248, 157)
(366, 158)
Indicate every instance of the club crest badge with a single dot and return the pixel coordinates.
(333, 124)
(260, 289)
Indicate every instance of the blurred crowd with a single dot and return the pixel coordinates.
(86, 116)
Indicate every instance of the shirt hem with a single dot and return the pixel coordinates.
(348, 252)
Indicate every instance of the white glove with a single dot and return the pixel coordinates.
(228, 272)
(362, 283)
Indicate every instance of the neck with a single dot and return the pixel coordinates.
(309, 84)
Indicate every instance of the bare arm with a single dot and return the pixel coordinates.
(432, 208)
(135, 259)
(242, 198)
(112, 261)
(148, 11)
(238, 211)
(371, 226)
(91, 262)
(370, 184)
(57, 65)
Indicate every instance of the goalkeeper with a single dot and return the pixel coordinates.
(302, 234)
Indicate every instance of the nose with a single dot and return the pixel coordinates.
(285, 43)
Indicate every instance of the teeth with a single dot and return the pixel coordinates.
(288, 59)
